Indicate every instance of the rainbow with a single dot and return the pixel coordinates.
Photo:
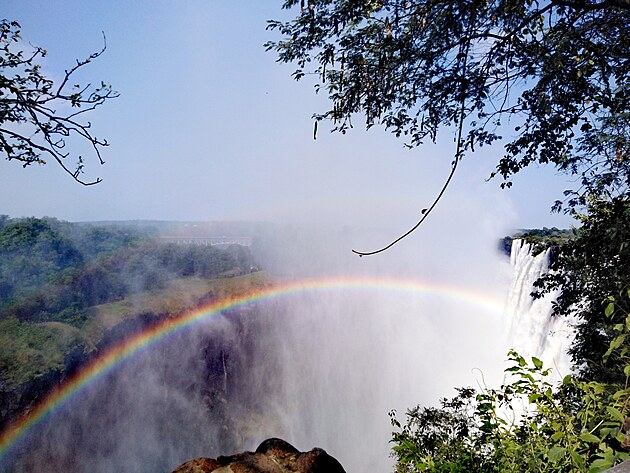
(114, 355)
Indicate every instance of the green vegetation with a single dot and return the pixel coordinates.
(526, 425)
(53, 271)
(540, 239)
(590, 271)
(28, 350)
(63, 285)
(179, 295)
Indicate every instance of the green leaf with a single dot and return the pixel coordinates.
(556, 453)
(626, 370)
(600, 465)
(557, 435)
(537, 363)
(588, 437)
(617, 341)
(603, 433)
(567, 379)
(614, 412)
(577, 459)
(610, 309)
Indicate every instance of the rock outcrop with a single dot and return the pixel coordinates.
(272, 456)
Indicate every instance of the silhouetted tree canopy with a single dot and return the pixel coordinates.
(592, 272)
(551, 76)
(41, 118)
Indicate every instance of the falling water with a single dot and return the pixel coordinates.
(531, 329)
(346, 358)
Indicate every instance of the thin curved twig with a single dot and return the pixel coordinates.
(424, 216)
(458, 156)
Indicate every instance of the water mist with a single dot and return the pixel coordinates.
(317, 367)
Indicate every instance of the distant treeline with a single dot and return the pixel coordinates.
(540, 239)
(52, 270)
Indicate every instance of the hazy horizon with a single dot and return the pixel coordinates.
(208, 127)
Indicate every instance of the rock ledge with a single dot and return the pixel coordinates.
(272, 456)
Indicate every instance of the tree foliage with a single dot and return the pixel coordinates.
(541, 239)
(41, 118)
(32, 253)
(592, 273)
(552, 76)
(54, 271)
(525, 425)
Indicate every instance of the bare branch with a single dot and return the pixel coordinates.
(31, 101)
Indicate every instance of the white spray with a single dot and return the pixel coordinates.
(531, 329)
(319, 369)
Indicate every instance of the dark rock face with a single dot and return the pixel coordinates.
(16, 399)
(272, 456)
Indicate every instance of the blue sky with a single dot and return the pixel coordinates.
(209, 127)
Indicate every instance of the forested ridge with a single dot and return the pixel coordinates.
(540, 238)
(66, 287)
(52, 271)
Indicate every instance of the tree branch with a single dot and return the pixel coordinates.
(458, 155)
(30, 100)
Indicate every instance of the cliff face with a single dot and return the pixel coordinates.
(15, 399)
(272, 456)
(37, 357)
(18, 398)
(180, 399)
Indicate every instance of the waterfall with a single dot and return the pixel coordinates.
(531, 330)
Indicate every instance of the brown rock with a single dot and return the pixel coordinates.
(198, 465)
(277, 446)
(272, 456)
(318, 461)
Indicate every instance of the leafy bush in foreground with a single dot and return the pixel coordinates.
(527, 424)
